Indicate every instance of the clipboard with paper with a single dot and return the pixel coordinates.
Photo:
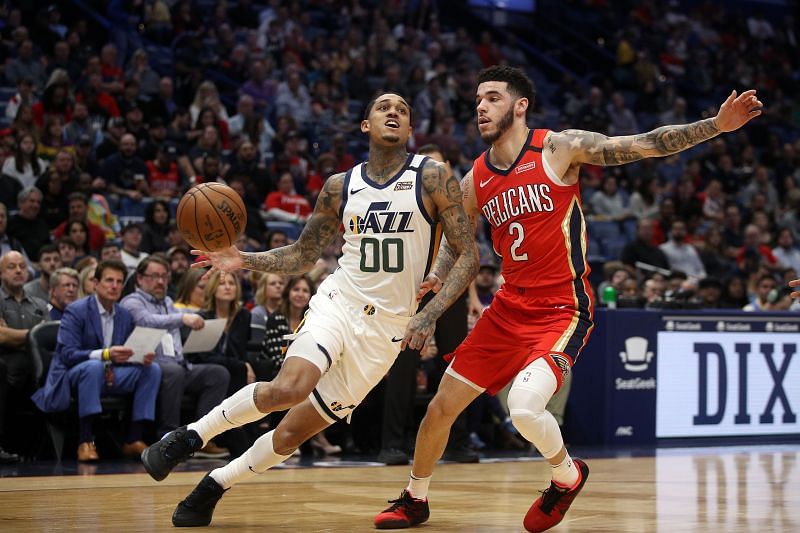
(143, 341)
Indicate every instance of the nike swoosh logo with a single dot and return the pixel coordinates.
(396, 340)
(353, 191)
(485, 183)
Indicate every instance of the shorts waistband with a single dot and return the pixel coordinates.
(560, 291)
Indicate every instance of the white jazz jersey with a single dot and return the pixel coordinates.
(390, 239)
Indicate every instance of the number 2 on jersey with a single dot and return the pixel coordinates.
(519, 230)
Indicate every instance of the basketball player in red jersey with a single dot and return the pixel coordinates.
(526, 185)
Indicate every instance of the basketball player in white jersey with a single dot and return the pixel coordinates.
(361, 316)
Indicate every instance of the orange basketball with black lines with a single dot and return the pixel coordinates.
(211, 216)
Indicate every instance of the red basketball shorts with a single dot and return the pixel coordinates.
(519, 328)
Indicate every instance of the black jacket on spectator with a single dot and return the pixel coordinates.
(645, 252)
(9, 189)
(55, 206)
(120, 171)
(32, 234)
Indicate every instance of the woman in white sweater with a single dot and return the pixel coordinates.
(25, 166)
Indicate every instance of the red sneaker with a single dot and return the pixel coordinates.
(406, 511)
(549, 509)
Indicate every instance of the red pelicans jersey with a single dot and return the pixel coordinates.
(537, 223)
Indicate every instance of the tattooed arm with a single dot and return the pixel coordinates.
(298, 257)
(572, 147)
(447, 255)
(459, 256)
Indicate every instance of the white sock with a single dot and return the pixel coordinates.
(258, 459)
(418, 486)
(233, 412)
(566, 474)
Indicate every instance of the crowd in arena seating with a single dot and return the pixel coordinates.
(110, 115)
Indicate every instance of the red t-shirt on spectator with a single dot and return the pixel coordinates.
(97, 237)
(163, 181)
(764, 251)
(291, 203)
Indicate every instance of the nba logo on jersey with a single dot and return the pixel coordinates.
(379, 218)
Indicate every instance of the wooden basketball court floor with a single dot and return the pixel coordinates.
(716, 490)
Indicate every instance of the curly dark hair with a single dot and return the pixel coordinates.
(519, 84)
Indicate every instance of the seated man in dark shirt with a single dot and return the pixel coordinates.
(642, 249)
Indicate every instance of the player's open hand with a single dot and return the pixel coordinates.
(795, 283)
(431, 283)
(736, 111)
(227, 260)
(418, 331)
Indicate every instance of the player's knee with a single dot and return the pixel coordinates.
(440, 411)
(526, 407)
(279, 394)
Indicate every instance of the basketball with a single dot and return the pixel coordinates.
(211, 216)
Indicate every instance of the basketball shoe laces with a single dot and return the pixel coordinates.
(179, 447)
(405, 504)
(552, 496)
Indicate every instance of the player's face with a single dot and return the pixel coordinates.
(389, 120)
(496, 109)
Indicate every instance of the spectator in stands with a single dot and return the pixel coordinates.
(286, 205)
(78, 233)
(645, 200)
(166, 178)
(140, 71)
(680, 255)
(151, 307)
(163, 104)
(67, 250)
(268, 299)
(207, 96)
(87, 281)
(156, 227)
(622, 120)
(261, 88)
(63, 291)
(114, 131)
(713, 199)
(49, 262)
(208, 144)
(25, 96)
(179, 264)
(26, 66)
(609, 203)
(92, 334)
(642, 250)
(709, 293)
(249, 126)
(27, 227)
(56, 184)
(760, 183)
(110, 250)
(208, 117)
(222, 299)
(734, 293)
(714, 255)
(653, 292)
(125, 173)
(78, 207)
(751, 245)
(191, 291)
(56, 101)
(81, 124)
(25, 166)
(765, 295)
(131, 251)
(18, 314)
(786, 252)
(292, 97)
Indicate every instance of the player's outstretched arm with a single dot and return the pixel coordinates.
(571, 147)
(794, 284)
(461, 259)
(320, 230)
(296, 258)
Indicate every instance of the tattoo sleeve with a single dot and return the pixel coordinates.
(320, 230)
(598, 149)
(458, 256)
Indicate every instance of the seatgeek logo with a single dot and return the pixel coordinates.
(380, 218)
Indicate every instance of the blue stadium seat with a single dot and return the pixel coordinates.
(603, 229)
(594, 251)
(629, 228)
(612, 247)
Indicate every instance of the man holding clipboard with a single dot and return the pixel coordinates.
(91, 357)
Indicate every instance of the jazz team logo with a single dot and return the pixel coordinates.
(380, 218)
